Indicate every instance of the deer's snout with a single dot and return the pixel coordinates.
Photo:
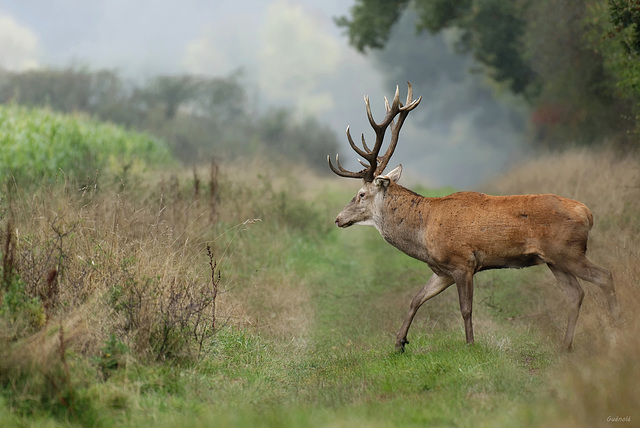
(341, 223)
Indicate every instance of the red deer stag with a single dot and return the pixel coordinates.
(467, 232)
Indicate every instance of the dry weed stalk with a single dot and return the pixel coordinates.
(214, 196)
(215, 281)
(196, 183)
(7, 260)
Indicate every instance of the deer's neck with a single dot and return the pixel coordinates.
(402, 221)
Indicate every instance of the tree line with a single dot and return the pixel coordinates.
(199, 117)
(575, 62)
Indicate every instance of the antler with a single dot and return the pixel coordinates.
(377, 164)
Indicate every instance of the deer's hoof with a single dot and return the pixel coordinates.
(400, 345)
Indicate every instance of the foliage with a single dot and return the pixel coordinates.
(112, 356)
(172, 92)
(19, 309)
(558, 54)
(305, 141)
(620, 61)
(38, 144)
(371, 22)
(576, 102)
(625, 14)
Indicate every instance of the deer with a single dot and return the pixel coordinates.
(467, 232)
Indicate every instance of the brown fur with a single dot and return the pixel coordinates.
(466, 232)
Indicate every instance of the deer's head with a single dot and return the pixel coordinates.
(364, 207)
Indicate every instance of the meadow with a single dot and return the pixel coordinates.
(225, 296)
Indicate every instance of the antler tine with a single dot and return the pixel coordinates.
(356, 148)
(364, 144)
(396, 99)
(343, 172)
(411, 103)
(395, 133)
(409, 94)
(369, 115)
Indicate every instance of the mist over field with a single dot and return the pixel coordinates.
(290, 54)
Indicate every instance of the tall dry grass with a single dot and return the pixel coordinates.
(600, 380)
(112, 276)
(132, 263)
(126, 264)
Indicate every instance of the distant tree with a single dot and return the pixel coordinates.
(224, 98)
(63, 90)
(171, 92)
(304, 140)
(576, 102)
(371, 22)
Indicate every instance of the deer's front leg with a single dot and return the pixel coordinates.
(433, 287)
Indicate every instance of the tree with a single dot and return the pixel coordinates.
(63, 90)
(625, 14)
(371, 22)
(491, 29)
(171, 92)
(558, 54)
(224, 98)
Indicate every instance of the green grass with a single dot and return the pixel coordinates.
(256, 384)
(247, 382)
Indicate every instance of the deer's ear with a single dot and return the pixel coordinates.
(384, 180)
(395, 173)
(381, 181)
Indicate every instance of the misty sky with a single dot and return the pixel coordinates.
(290, 52)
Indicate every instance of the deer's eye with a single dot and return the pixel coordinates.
(362, 195)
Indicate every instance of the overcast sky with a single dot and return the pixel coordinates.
(290, 51)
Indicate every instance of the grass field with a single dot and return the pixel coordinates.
(306, 313)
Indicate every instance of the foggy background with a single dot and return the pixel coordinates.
(290, 53)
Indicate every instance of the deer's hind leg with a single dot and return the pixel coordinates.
(464, 282)
(575, 293)
(588, 271)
